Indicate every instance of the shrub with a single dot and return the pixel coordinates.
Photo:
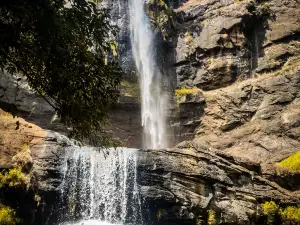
(287, 216)
(292, 162)
(8, 216)
(185, 91)
(270, 209)
(181, 94)
(211, 219)
(290, 215)
(13, 178)
(23, 158)
(5, 115)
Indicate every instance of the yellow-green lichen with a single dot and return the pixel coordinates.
(8, 216)
(292, 162)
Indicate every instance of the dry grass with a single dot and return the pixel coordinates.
(5, 115)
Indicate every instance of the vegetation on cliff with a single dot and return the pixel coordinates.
(8, 216)
(286, 215)
(66, 52)
(160, 17)
(292, 162)
(13, 178)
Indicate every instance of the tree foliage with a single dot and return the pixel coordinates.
(61, 47)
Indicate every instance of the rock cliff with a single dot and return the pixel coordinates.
(237, 68)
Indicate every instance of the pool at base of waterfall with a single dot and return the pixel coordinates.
(90, 222)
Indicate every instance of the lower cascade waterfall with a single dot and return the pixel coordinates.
(100, 188)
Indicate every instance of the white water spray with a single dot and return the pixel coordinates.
(153, 99)
(100, 189)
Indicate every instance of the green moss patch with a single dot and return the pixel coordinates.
(292, 162)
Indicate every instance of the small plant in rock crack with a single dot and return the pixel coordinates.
(261, 10)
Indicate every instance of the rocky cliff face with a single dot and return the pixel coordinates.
(33, 191)
(219, 44)
(181, 185)
(237, 67)
(125, 122)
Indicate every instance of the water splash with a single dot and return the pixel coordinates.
(100, 189)
(90, 222)
(153, 99)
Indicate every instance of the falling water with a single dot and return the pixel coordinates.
(99, 188)
(152, 97)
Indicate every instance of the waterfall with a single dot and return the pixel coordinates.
(153, 99)
(100, 188)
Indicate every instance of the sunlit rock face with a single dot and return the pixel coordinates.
(219, 44)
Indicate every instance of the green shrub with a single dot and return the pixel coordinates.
(181, 94)
(8, 216)
(261, 10)
(211, 219)
(290, 215)
(187, 91)
(13, 178)
(287, 216)
(270, 210)
(292, 162)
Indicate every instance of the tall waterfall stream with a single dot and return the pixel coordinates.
(101, 189)
(153, 99)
